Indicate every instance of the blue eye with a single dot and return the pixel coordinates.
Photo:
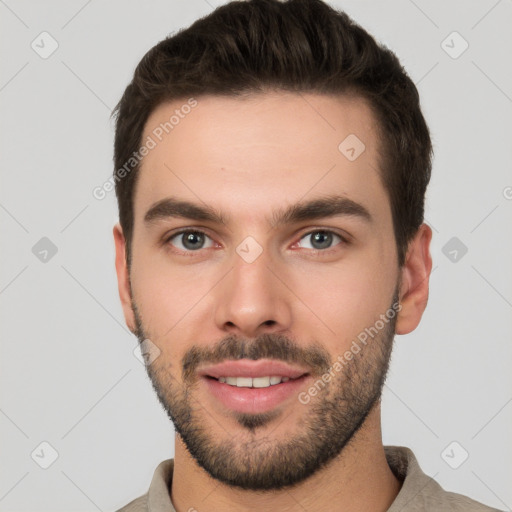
(190, 240)
(321, 239)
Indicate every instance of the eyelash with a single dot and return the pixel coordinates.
(167, 239)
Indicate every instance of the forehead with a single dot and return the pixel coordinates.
(248, 156)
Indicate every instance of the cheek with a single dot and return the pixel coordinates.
(168, 296)
(345, 299)
(168, 299)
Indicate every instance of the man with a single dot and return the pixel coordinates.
(271, 163)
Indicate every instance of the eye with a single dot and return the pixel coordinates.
(188, 240)
(321, 239)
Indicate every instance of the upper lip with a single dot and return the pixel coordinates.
(251, 368)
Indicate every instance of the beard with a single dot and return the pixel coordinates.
(331, 419)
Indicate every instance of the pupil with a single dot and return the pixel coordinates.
(193, 240)
(322, 240)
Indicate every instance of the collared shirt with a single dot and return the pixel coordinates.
(419, 492)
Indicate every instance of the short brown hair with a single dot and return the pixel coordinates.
(297, 45)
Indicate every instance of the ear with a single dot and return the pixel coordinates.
(123, 277)
(415, 276)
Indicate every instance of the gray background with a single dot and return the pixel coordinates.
(68, 373)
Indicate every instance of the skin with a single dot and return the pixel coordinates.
(248, 157)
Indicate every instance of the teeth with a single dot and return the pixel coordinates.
(256, 382)
(261, 382)
(243, 382)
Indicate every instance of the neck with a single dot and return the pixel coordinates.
(358, 479)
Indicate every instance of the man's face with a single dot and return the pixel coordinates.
(259, 294)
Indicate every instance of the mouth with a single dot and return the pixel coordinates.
(253, 382)
(254, 387)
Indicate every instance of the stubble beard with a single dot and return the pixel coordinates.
(256, 462)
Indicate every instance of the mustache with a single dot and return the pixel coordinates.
(266, 346)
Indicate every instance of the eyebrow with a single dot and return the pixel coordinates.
(329, 206)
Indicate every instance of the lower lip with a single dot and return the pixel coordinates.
(254, 400)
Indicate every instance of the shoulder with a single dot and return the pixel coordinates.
(157, 497)
(440, 500)
(420, 492)
(435, 498)
(139, 504)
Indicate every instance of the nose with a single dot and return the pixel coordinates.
(252, 299)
